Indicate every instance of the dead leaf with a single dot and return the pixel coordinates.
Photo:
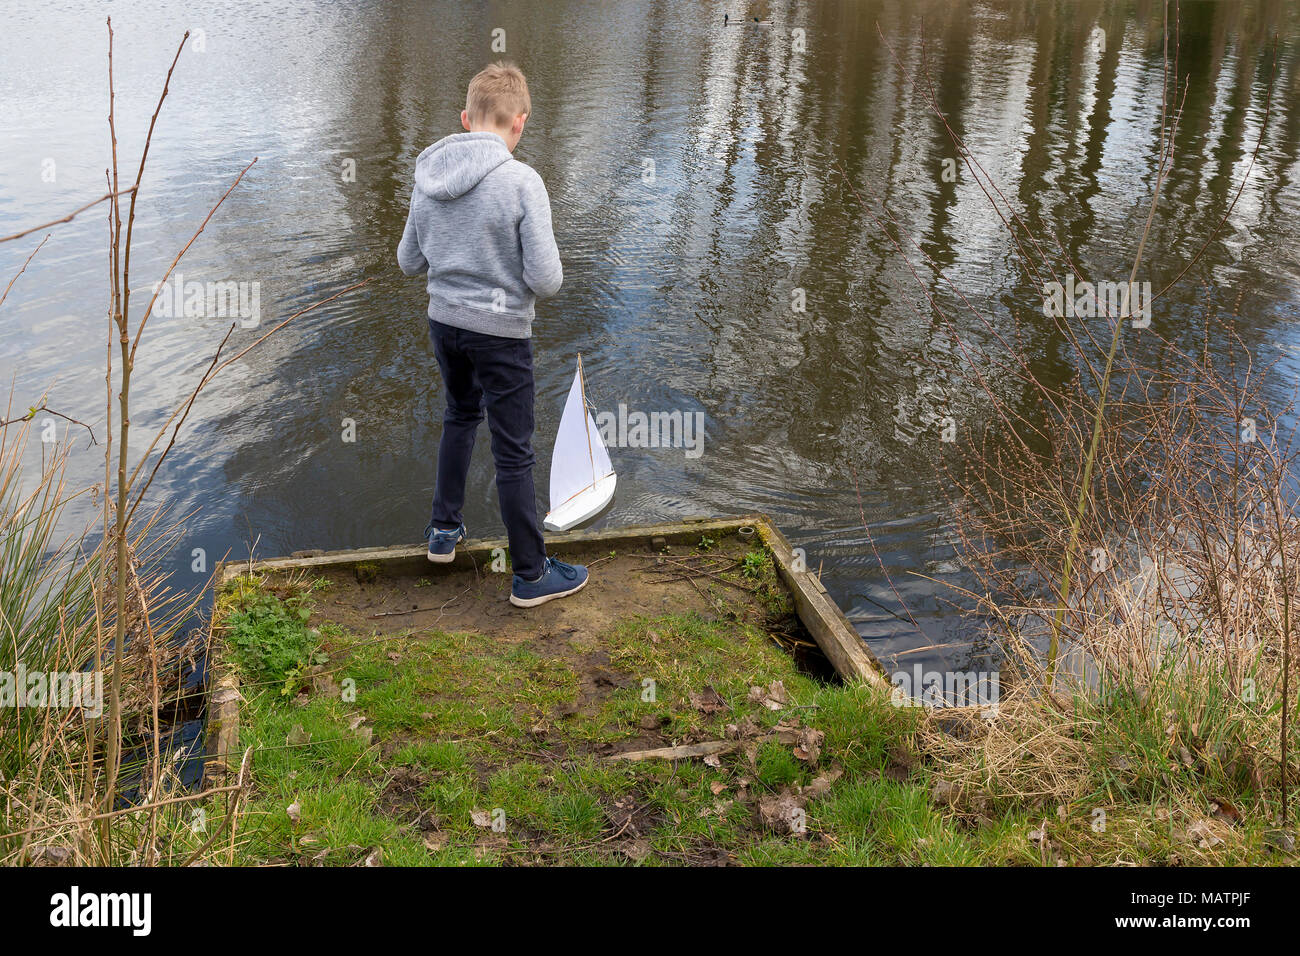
(808, 746)
(635, 850)
(45, 855)
(712, 760)
(782, 812)
(1280, 840)
(717, 787)
(435, 840)
(944, 792)
(710, 811)
(1206, 833)
(481, 818)
(1224, 810)
(774, 697)
(822, 783)
(324, 685)
(376, 857)
(295, 812)
(707, 701)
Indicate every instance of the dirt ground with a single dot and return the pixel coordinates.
(623, 584)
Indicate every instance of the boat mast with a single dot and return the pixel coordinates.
(591, 457)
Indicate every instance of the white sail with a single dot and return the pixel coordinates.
(582, 478)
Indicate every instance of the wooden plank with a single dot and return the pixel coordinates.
(222, 743)
(837, 638)
(411, 558)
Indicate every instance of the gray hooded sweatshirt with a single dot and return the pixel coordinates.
(480, 223)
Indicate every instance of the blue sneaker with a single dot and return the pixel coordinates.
(442, 544)
(557, 580)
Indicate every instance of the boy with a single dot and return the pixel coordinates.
(480, 225)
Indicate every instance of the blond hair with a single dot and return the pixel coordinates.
(497, 94)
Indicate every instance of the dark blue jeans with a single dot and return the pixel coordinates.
(488, 372)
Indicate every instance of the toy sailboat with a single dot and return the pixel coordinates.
(582, 479)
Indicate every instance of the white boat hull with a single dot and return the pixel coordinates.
(583, 506)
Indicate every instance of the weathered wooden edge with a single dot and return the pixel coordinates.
(825, 621)
(837, 638)
(222, 732)
(398, 558)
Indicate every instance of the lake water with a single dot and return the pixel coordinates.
(699, 175)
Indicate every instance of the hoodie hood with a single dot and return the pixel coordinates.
(456, 164)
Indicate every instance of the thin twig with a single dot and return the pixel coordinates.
(23, 269)
(70, 216)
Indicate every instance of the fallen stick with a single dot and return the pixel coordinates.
(714, 566)
(414, 610)
(706, 748)
(687, 573)
(419, 610)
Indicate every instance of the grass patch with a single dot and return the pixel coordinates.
(446, 748)
(268, 637)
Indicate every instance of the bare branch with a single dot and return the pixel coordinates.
(36, 410)
(70, 216)
(135, 344)
(22, 270)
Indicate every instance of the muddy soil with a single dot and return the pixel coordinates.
(625, 584)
